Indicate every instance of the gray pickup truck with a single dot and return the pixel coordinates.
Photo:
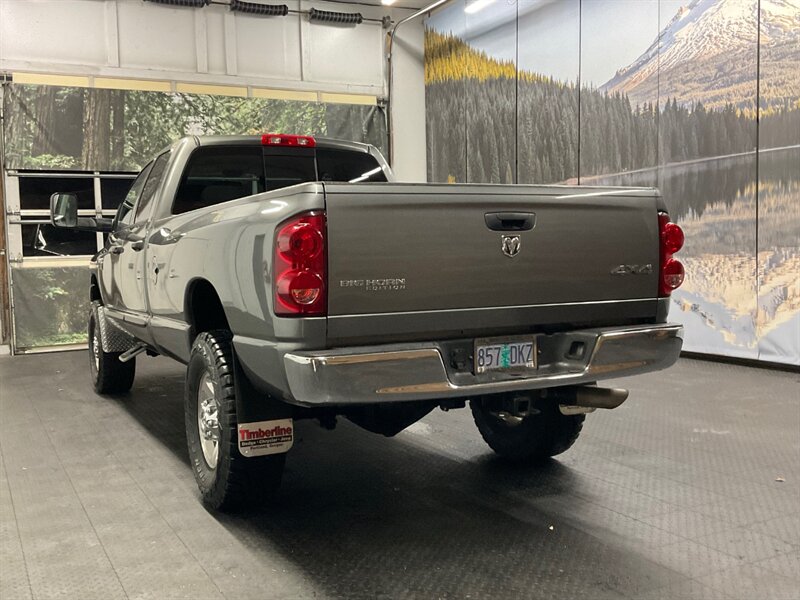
(297, 280)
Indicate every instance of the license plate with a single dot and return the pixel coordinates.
(493, 355)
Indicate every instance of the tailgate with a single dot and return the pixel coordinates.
(425, 261)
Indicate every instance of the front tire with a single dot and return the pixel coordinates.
(109, 374)
(227, 480)
(538, 437)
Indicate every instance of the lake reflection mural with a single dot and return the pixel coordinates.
(652, 93)
(732, 298)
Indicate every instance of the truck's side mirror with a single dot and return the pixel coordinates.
(64, 214)
(64, 210)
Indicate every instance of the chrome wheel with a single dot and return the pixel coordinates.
(95, 347)
(208, 420)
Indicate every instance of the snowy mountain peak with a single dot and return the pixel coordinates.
(707, 28)
(682, 12)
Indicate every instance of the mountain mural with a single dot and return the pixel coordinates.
(681, 117)
(488, 121)
(707, 53)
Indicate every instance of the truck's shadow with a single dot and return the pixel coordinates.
(365, 516)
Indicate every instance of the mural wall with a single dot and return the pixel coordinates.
(700, 98)
(51, 305)
(70, 128)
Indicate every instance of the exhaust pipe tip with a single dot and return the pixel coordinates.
(586, 399)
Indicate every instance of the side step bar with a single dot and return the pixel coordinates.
(133, 352)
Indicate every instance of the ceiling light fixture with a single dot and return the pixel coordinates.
(388, 2)
(477, 6)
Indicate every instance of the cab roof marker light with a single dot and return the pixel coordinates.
(282, 139)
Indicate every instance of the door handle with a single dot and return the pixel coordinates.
(510, 221)
(165, 236)
(138, 245)
(116, 249)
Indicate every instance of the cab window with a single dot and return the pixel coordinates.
(347, 165)
(220, 173)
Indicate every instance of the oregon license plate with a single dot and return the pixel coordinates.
(493, 354)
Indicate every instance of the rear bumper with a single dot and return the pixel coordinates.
(406, 372)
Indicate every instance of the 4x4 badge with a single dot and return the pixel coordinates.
(511, 245)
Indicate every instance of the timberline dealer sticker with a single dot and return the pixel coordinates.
(266, 437)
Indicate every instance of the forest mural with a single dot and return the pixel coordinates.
(69, 128)
(51, 305)
(532, 93)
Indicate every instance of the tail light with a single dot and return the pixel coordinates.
(300, 266)
(282, 139)
(671, 270)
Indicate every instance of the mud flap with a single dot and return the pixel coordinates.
(265, 423)
(112, 337)
(266, 437)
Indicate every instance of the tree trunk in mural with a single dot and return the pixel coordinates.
(44, 137)
(14, 123)
(96, 130)
(117, 130)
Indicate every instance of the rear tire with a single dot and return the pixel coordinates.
(535, 439)
(109, 374)
(227, 480)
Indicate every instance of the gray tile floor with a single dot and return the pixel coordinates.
(673, 495)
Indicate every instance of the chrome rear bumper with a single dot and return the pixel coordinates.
(405, 372)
